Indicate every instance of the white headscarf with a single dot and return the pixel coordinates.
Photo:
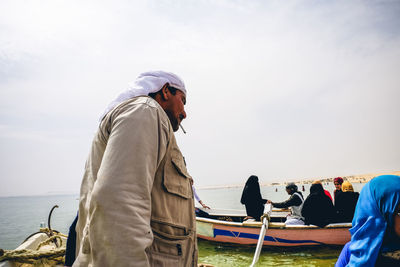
(146, 83)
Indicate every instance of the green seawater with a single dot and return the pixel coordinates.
(221, 255)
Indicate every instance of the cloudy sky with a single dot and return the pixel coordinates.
(282, 89)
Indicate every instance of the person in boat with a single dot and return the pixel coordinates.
(325, 191)
(345, 203)
(318, 208)
(338, 181)
(196, 196)
(252, 199)
(199, 212)
(136, 201)
(376, 224)
(294, 203)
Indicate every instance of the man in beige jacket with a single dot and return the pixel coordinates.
(136, 201)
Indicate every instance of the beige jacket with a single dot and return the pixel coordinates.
(136, 203)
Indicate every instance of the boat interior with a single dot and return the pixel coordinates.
(228, 215)
(277, 219)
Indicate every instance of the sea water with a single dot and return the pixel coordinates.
(22, 216)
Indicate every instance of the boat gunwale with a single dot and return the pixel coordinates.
(273, 225)
(238, 213)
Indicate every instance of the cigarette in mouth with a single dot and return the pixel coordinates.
(182, 128)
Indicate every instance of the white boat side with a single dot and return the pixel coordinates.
(277, 234)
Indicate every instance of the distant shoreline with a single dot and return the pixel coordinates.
(362, 178)
(41, 195)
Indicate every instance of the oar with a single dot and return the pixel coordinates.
(264, 228)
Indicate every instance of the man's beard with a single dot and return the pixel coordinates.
(174, 122)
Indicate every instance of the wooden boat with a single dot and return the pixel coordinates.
(227, 226)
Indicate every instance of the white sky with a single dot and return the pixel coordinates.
(281, 89)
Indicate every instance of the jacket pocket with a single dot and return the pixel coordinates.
(163, 252)
(170, 231)
(176, 178)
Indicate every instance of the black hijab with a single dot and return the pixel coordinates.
(316, 189)
(251, 192)
(318, 208)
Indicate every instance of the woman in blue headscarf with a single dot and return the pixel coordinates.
(376, 223)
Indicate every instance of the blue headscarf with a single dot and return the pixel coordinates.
(372, 230)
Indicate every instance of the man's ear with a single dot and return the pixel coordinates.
(165, 92)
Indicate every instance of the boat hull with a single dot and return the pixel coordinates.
(276, 235)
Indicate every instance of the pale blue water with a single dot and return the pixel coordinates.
(22, 216)
(229, 198)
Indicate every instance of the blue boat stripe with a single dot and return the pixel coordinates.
(255, 236)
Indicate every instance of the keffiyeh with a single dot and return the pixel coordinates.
(146, 83)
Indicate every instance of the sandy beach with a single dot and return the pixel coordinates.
(361, 178)
(358, 178)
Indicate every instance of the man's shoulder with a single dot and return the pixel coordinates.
(143, 104)
(142, 107)
(143, 101)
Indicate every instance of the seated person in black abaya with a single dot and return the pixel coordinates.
(318, 208)
(251, 198)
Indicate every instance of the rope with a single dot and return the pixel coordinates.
(265, 215)
(33, 256)
(49, 231)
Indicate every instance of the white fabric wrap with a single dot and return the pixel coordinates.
(296, 210)
(146, 83)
